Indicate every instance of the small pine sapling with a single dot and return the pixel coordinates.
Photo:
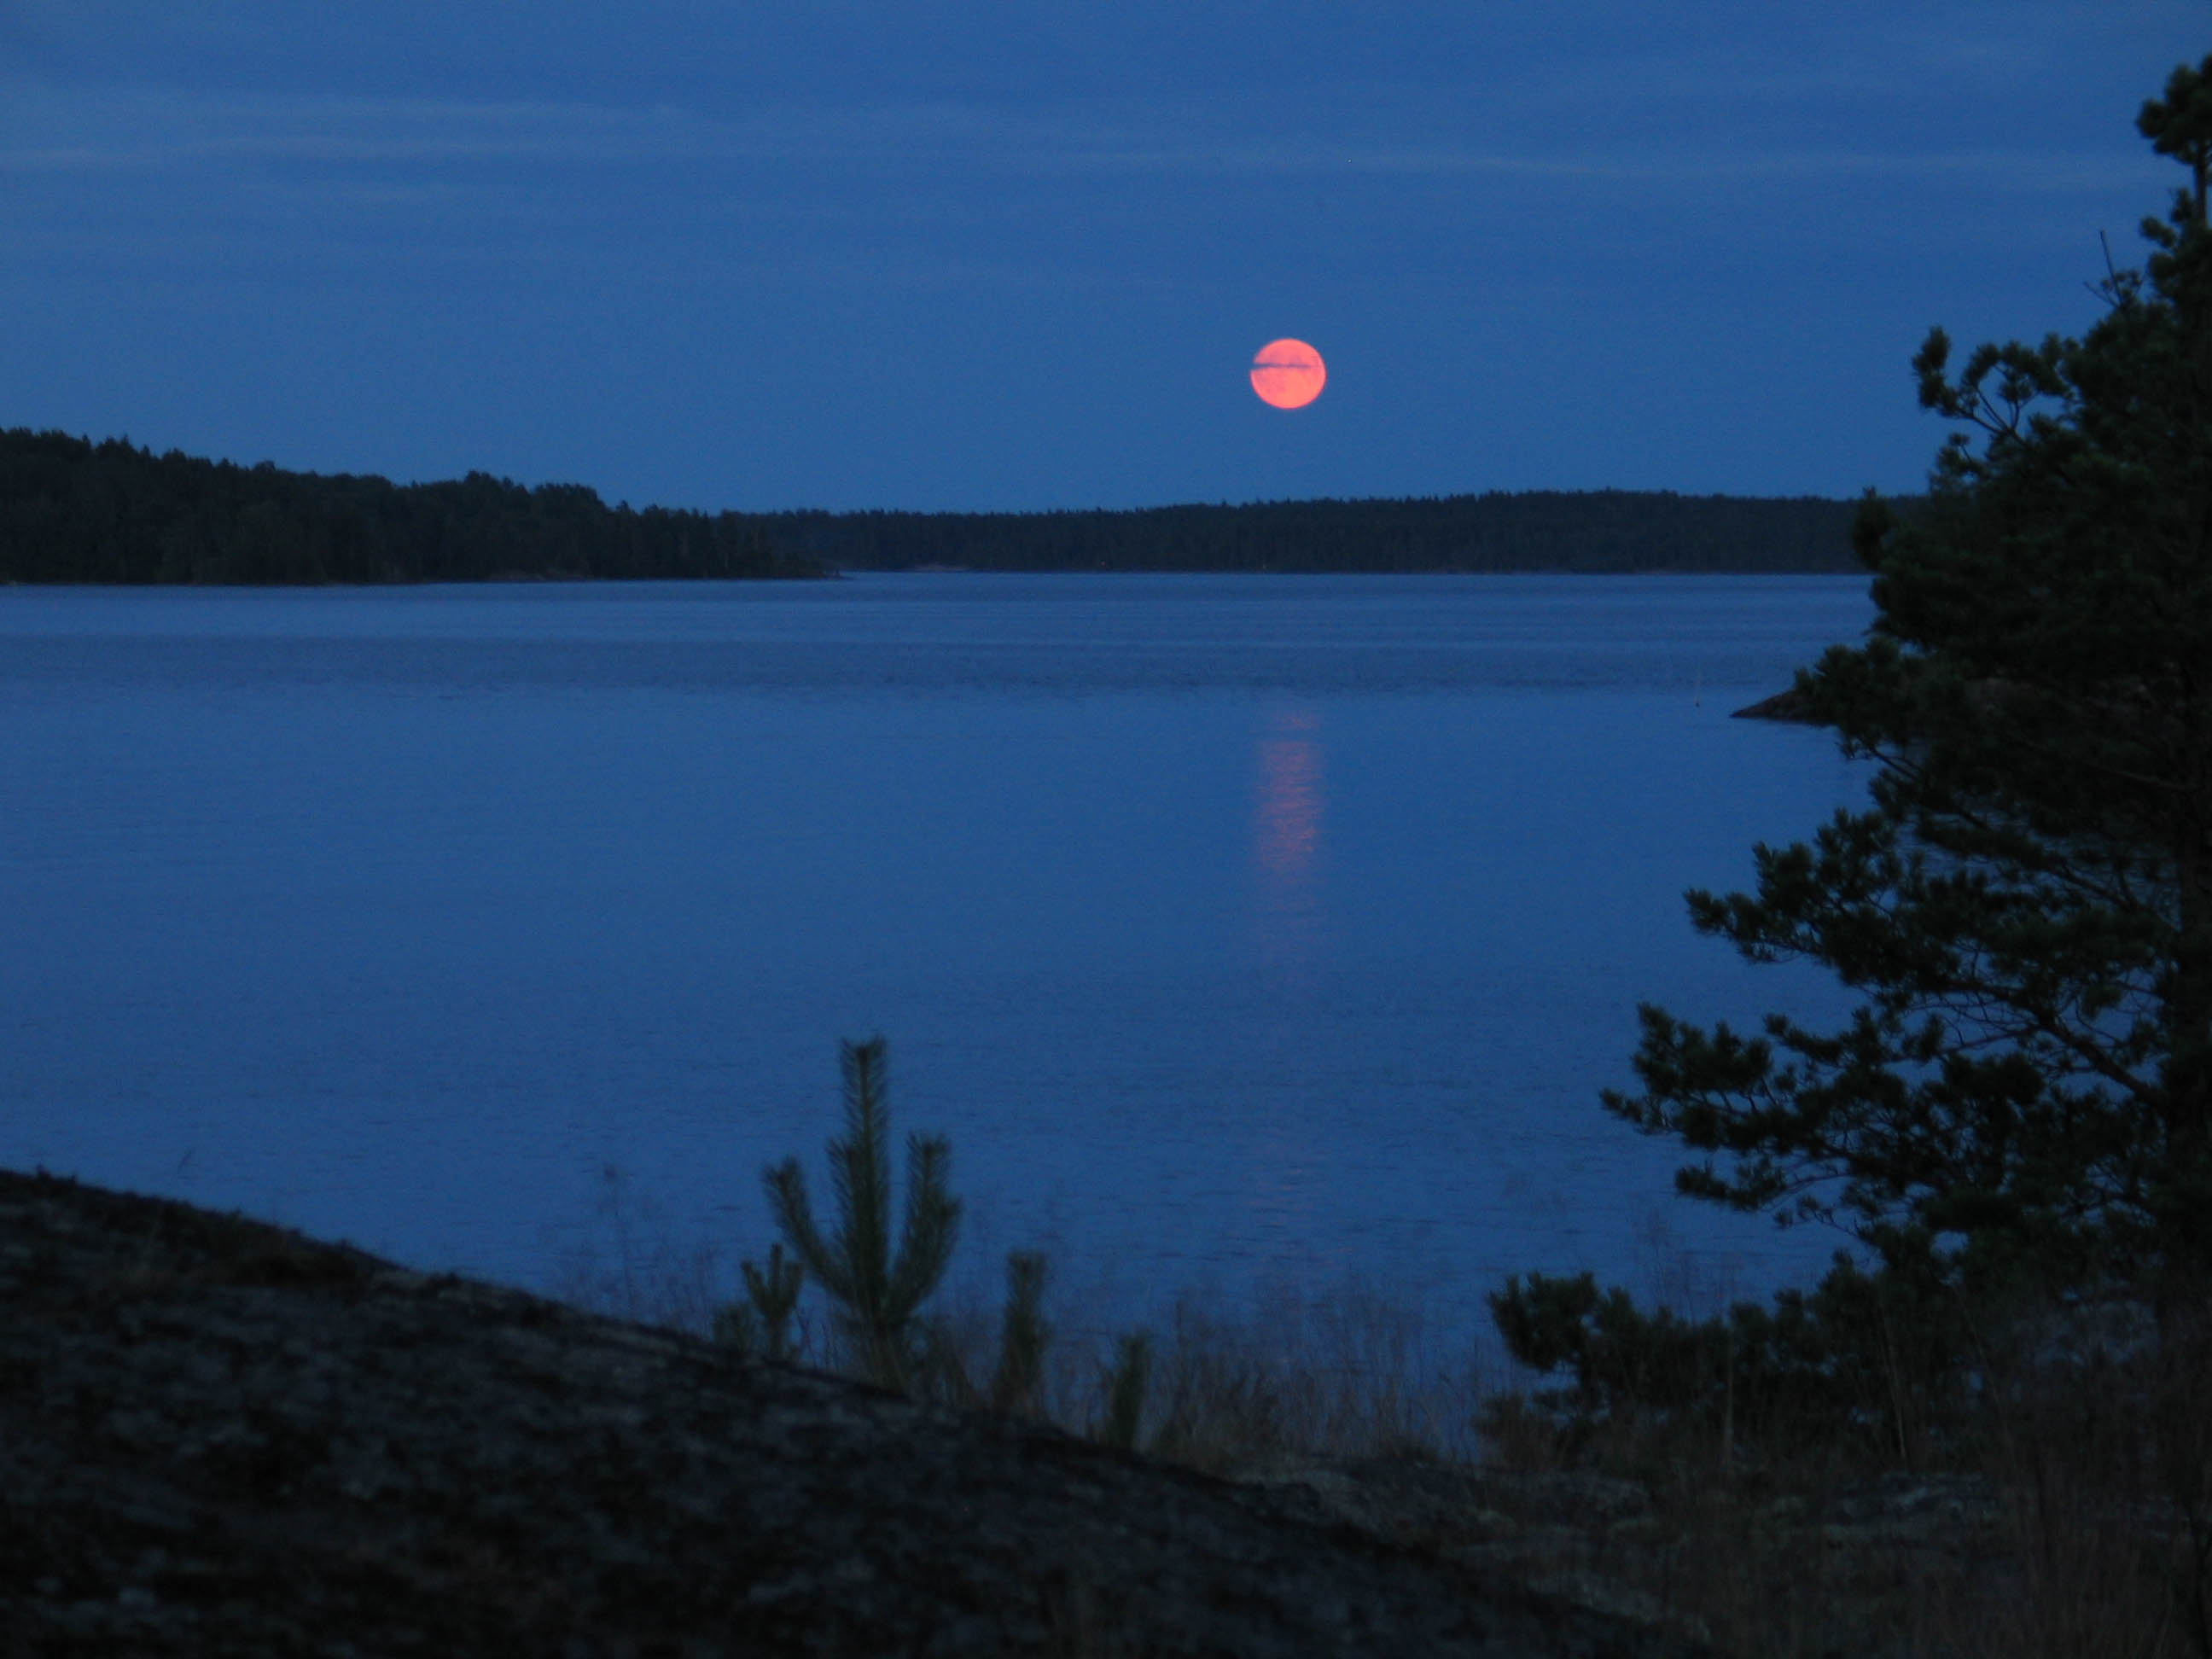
(762, 1322)
(876, 1292)
(775, 1293)
(1016, 1384)
(1127, 1382)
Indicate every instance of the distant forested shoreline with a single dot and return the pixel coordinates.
(75, 511)
(72, 510)
(1599, 531)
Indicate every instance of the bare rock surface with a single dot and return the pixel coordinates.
(217, 1436)
(1859, 1569)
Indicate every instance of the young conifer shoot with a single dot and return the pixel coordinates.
(775, 1293)
(1126, 1382)
(877, 1292)
(1017, 1383)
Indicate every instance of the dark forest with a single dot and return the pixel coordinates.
(75, 511)
(1606, 531)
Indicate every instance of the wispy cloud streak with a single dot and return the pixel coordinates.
(51, 132)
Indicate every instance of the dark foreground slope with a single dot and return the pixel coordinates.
(220, 1438)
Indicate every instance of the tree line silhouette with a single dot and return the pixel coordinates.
(75, 511)
(1605, 530)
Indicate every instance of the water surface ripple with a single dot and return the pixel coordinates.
(1238, 930)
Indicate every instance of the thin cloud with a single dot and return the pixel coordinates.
(118, 132)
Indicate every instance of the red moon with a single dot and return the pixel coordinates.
(1288, 374)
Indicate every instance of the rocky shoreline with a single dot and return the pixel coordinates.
(1791, 705)
(217, 1436)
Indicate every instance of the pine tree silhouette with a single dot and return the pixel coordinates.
(876, 1292)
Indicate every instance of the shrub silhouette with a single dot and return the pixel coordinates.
(1879, 1360)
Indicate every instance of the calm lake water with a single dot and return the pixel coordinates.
(1238, 930)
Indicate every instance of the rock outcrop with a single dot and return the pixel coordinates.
(1791, 705)
(218, 1436)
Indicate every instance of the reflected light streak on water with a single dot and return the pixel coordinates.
(1291, 800)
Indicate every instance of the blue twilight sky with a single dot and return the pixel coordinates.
(992, 253)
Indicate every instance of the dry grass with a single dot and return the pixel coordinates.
(2103, 1452)
(1351, 1374)
(2069, 1516)
(2073, 1518)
